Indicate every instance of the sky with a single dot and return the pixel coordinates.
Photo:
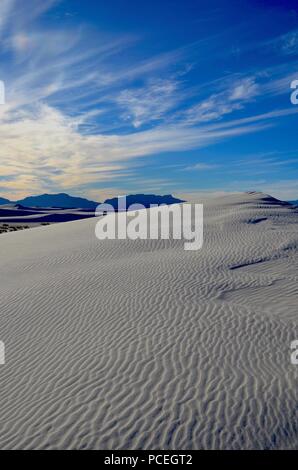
(182, 97)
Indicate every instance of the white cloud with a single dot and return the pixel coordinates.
(149, 103)
(42, 137)
(288, 43)
(202, 166)
(232, 98)
(244, 90)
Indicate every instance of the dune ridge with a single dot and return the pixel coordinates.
(142, 345)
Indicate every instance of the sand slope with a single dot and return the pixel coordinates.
(140, 344)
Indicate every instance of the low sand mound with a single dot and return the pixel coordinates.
(140, 344)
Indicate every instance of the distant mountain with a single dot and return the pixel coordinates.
(4, 201)
(65, 201)
(145, 199)
(61, 200)
(295, 203)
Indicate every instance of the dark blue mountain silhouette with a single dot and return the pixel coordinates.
(145, 199)
(295, 203)
(61, 200)
(4, 201)
(65, 201)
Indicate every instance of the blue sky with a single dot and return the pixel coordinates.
(107, 98)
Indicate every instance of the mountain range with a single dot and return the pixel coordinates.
(65, 201)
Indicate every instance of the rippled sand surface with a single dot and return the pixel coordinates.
(142, 345)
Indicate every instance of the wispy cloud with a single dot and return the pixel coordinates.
(220, 104)
(149, 103)
(202, 167)
(286, 43)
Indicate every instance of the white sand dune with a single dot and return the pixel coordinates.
(142, 345)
